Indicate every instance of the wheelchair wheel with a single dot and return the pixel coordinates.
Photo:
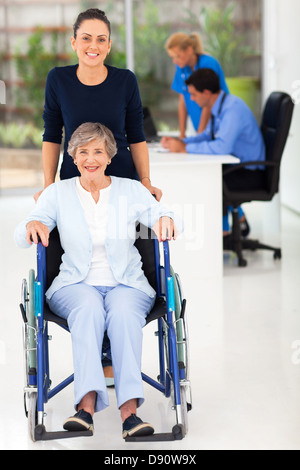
(32, 413)
(29, 345)
(182, 409)
(30, 338)
(180, 327)
(31, 322)
(185, 408)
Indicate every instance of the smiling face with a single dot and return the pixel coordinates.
(92, 159)
(92, 42)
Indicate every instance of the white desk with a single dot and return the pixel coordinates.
(192, 187)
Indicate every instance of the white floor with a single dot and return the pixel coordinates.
(244, 348)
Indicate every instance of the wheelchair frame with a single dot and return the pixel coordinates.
(173, 380)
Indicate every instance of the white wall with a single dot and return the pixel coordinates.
(281, 71)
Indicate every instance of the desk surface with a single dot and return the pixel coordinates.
(162, 158)
(192, 187)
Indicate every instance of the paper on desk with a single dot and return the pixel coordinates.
(158, 148)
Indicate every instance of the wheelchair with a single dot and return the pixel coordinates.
(169, 312)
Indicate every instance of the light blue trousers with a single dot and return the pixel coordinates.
(90, 310)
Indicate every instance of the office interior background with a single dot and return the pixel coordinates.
(34, 37)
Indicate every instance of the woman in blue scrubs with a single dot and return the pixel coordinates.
(188, 55)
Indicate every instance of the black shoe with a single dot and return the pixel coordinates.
(134, 426)
(81, 421)
(245, 228)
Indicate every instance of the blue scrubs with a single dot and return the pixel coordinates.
(182, 74)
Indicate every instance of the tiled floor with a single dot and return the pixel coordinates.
(244, 349)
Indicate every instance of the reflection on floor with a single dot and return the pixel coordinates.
(244, 353)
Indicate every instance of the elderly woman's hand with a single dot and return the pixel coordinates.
(36, 229)
(165, 229)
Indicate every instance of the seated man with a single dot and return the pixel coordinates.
(232, 130)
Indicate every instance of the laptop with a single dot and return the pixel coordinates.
(150, 130)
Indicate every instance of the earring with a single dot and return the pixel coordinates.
(75, 163)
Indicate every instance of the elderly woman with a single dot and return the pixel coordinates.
(101, 285)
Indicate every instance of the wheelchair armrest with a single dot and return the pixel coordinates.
(238, 166)
(38, 237)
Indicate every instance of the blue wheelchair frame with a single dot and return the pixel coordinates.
(164, 385)
(173, 374)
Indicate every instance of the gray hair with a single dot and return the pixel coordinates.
(89, 131)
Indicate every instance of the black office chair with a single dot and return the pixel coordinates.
(275, 125)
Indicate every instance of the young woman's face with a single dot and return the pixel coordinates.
(92, 43)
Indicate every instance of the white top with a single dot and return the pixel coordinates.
(100, 273)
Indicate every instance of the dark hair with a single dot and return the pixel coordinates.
(91, 14)
(204, 79)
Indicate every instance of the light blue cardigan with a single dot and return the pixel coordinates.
(129, 202)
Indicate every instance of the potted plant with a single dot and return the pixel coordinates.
(223, 43)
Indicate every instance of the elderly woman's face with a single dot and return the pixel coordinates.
(92, 159)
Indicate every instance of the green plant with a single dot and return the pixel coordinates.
(20, 135)
(149, 54)
(116, 58)
(14, 135)
(221, 40)
(33, 68)
(149, 39)
(35, 136)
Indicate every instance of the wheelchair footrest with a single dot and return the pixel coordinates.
(175, 435)
(41, 434)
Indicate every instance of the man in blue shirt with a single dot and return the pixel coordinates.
(232, 129)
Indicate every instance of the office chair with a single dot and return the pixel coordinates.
(275, 125)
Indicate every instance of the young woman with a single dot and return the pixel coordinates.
(91, 91)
